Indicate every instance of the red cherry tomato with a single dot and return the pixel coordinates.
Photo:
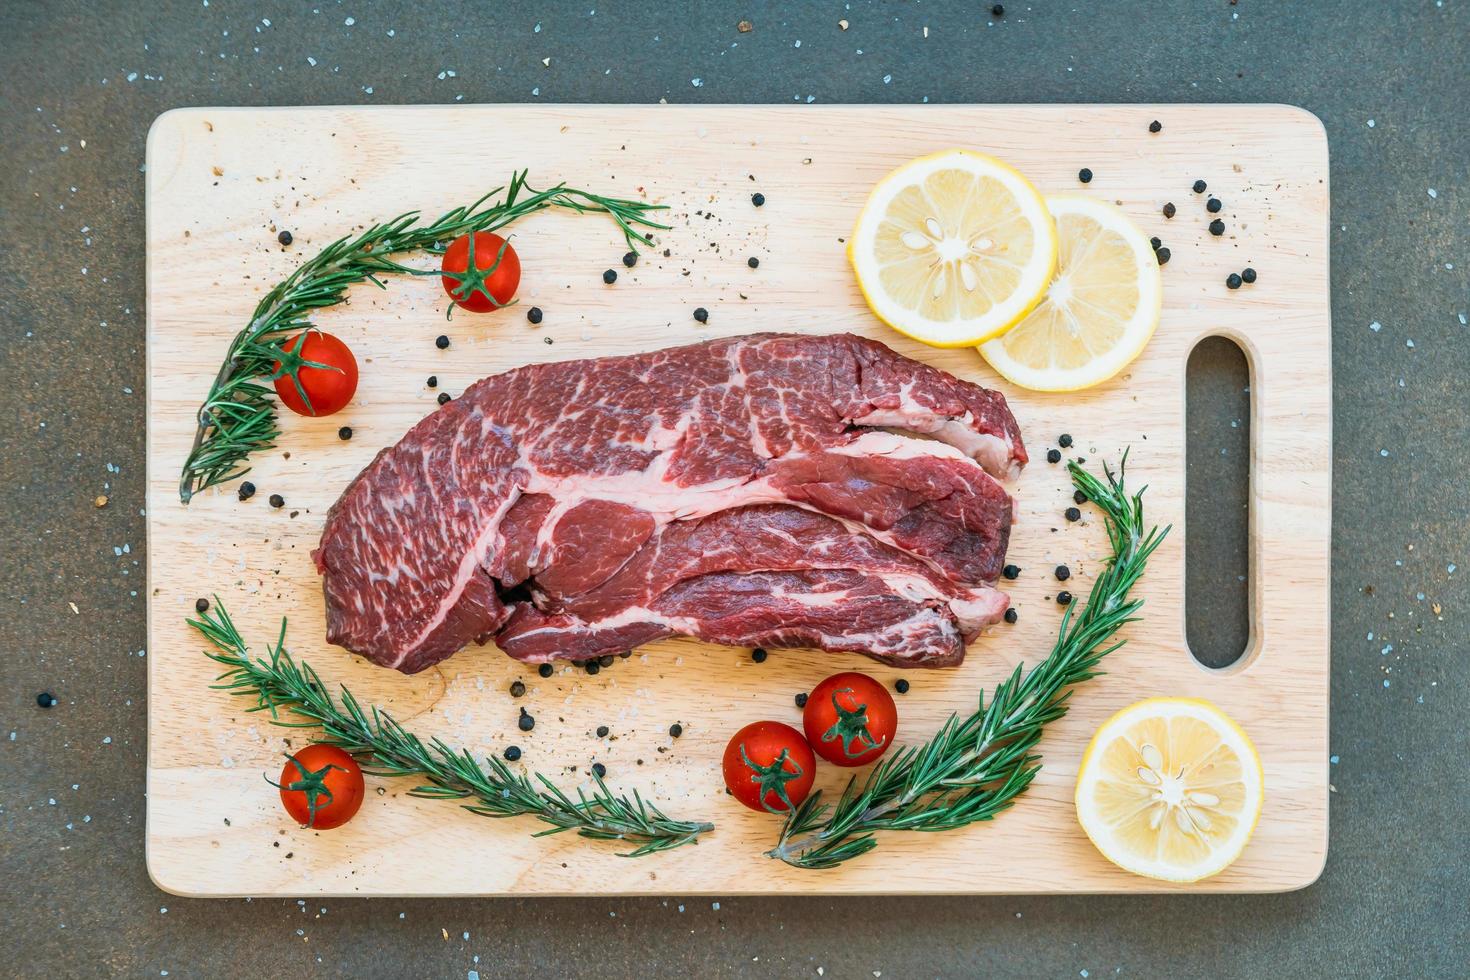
(850, 719)
(495, 276)
(321, 787)
(768, 766)
(328, 388)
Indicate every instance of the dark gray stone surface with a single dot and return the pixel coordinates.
(79, 85)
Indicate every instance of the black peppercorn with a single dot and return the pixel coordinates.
(545, 670)
(801, 700)
(602, 731)
(610, 276)
(1248, 274)
(1065, 440)
(444, 398)
(701, 314)
(757, 199)
(1011, 572)
(1163, 255)
(675, 730)
(284, 238)
(517, 689)
(630, 259)
(441, 342)
(534, 314)
(1217, 227)
(1199, 186)
(1084, 175)
(997, 10)
(1073, 514)
(1079, 496)
(753, 262)
(512, 753)
(201, 605)
(1232, 281)
(592, 667)
(1169, 210)
(46, 699)
(246, 491)
(606, 660)
(1155, 126)
(1053, 455)
(277, 501)
(1011, 616)
(433, 381)
(1064, 598)
(599, 770)
(1062, 572)
(1213, 205)
(625, 654)
(758, 655)
(344, 433)
(526, 722)
(901, 686)
(1155, 243)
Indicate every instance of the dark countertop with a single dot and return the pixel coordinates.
(79, 85)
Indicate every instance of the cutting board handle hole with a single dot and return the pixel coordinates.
(1217, 548)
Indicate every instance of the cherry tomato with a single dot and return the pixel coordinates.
(495, 276)
(321, 787)
(326, 374)
(768, 766)
(850, 719)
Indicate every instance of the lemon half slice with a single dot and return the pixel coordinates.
(1170, 788)
(1099, 311)
(953, 248)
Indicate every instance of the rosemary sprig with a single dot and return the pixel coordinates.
(238, 417)
(976, 766)
(280, 684)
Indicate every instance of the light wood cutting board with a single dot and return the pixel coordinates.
(221, 182)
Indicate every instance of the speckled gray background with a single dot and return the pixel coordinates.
(79, 85)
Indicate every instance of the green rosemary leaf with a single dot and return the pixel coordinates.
(278, 683)
(975, 767)
(238, 417)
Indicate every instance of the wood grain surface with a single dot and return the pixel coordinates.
(222, 182)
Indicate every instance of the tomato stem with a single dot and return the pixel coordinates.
(313, 783)
(851, 727)
(773, 778)
(474, 280)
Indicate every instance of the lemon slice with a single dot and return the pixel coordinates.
(1099, 311)
(953, 248)
(1170, 788)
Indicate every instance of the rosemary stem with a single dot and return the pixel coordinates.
(280, 684)
(973, 768)
(238, 416)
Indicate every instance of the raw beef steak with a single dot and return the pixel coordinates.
(552, 490)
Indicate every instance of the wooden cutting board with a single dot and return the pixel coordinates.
(222, 182)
